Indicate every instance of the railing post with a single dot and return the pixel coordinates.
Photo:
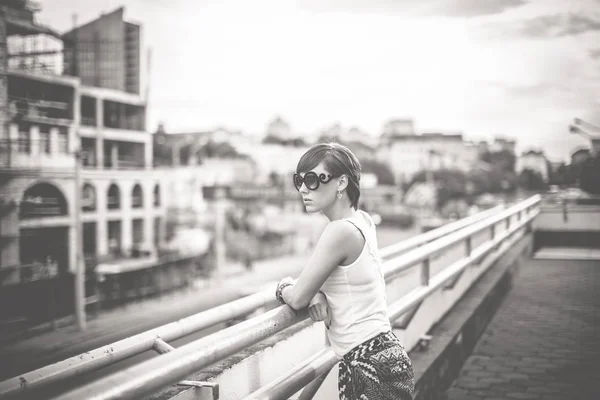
(469, 245)
(425, 273)
(311, 389)
(162, 347)
(507, 222)
(493, 231)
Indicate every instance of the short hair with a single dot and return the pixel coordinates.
(338, 160)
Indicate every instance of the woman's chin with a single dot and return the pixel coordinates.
(310, 208)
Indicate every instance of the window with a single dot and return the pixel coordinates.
(43, 200)
(157, 231)
(62, 145)
(157, 196)
(138, 231)
(88, 198)
(45, 139)
(24, 139)
(114, 197)
(137, 198)
(114, 238)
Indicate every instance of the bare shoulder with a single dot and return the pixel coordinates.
(342, 233)
(338, 242)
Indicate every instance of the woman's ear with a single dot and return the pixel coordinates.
(342, 183)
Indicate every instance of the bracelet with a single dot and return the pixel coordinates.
(278, 292)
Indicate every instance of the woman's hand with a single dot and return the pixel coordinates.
(318, 309)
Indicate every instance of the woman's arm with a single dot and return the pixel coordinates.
(331, 250)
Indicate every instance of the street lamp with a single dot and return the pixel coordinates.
(579, 121)
(79, 280)
(578, 130)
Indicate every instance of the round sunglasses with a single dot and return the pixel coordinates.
(311, 180)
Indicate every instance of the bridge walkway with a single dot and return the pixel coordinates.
(544, 341)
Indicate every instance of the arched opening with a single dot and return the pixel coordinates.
(43, 200)
(88, 198)
(137, 197)
(157, 195)
(114, 197)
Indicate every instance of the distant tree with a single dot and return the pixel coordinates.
(328, 138)
(531, 180)
(217, 150)
(589, 176)
(558, 176)
(503, 159)
(270, 139)
(381, 170)
(450, 184)
(296, 142)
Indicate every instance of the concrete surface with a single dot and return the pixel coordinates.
(544, 342)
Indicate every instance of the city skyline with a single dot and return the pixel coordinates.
(522, 69)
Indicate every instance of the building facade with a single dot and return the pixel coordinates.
(410, 153)
(105, 53)
(534, 161)
(75, 170)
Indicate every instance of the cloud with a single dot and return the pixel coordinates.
(474, 8)
(444, 8)
(541, 27)
(559, 25)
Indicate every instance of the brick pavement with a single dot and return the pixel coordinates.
(544, 341)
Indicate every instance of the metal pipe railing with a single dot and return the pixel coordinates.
(149, 376)
(396, 265)
(152, 375)
(131, 346)
(304, 374)
(115, 352)
(409, 301)
(418, 240)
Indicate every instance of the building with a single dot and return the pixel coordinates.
(534, 161)
(105, 53)
(410, 153)
(280, 130)
(122, 197)
(38, 131)
(51, 120)
(192, 148)
(503, 144)
(190, 161)
(399, 127)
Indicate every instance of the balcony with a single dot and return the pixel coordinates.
(39, 111)
(127, 163)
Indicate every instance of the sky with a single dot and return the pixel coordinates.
(514, 68)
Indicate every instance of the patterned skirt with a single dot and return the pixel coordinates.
(378, 369)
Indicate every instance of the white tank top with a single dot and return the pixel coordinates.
(356, 294)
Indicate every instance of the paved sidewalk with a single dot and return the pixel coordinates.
(113, 325)
(544, 342)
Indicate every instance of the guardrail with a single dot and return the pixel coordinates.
(310, 374)
(155, 374)
(93, 360)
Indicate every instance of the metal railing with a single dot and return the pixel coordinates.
(248, 332)
(310, 374)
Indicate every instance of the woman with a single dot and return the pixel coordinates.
(343, 284)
